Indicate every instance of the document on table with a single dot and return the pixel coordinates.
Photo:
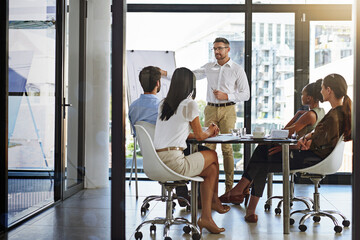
(223, 138)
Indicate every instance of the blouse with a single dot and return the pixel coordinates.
(174, 131)
(328, 132)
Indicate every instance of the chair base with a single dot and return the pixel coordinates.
(146, 203)
(306, 200)
(169, 220)
(317, 213)
(167, 223)
(317, 216)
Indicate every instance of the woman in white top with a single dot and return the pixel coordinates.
(178, 114)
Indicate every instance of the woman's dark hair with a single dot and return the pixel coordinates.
(182, 86)
(339, 86)
(148, 78)
(313, 90)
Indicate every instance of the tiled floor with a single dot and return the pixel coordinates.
(86, 215)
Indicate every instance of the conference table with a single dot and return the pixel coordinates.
(228, 138)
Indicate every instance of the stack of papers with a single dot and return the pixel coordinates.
(223, 138)
(230, 137)
(279, 134)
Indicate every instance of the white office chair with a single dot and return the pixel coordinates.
(316, 173)
(150, 128)
(156, 170)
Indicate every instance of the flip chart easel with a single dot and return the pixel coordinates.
(136, 60)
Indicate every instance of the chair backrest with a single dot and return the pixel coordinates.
(150, 128)
(331, 164)
(154, 168)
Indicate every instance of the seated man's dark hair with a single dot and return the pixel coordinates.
(148, 78)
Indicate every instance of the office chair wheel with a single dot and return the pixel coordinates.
(346, 223)
(267, 207)
(174, 204)
(167, 238)
(196, 236)
(147, 205)
(138, 235)
(302, 228)
(187, 229)
(316, 219)
(152, 228)
(338, 229)
(292, 221)
(277, 211)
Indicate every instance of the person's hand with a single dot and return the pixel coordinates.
(304, 143)
(307, 144)
(220, 95)
(274, 150)
(213, 130)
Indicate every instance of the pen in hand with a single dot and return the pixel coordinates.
(216, 130)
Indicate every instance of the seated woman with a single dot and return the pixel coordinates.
(305, 121)
(310, 149)
(178, 114)
(302, 123)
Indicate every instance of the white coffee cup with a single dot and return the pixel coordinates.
(259, 129)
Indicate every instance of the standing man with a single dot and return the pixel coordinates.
(227, 85)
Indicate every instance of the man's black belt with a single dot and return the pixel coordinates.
(221, 104)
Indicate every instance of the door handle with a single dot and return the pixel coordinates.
(65, 105)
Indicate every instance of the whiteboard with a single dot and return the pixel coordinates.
(138, 59)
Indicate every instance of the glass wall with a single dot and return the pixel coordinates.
(31, 106)
(272, 97)
(331, 51)
(188, 1)
(274, 81)
(302, 1)
(190, 36)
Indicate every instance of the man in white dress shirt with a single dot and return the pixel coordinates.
(227, 85)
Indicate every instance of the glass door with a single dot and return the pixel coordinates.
(31, 104)
(73, 104)
(331, 51)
